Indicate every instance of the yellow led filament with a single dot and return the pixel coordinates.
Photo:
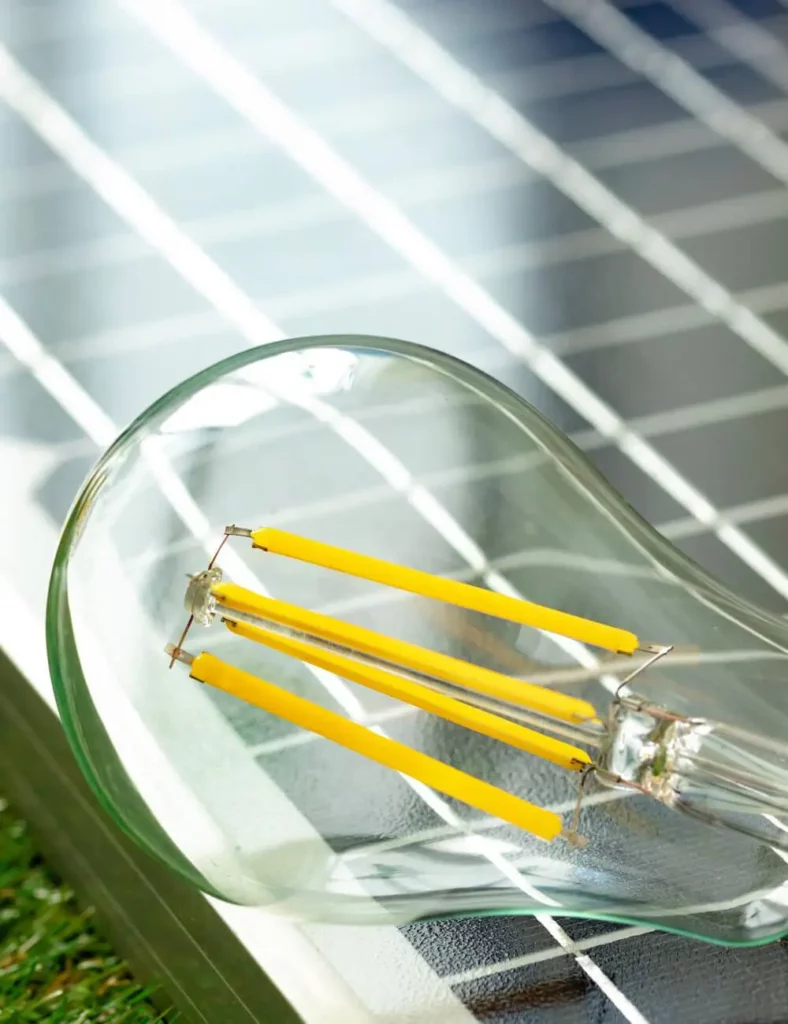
(230, 597)
(407, 673)
(476, 599)
(442, 777)
(452, 710)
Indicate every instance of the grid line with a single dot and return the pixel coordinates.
(741, 36)
(674, 320)
(678, 80)
(440, 832)
(746, 512)
(541, 955)
(697, 220)
(623, 330)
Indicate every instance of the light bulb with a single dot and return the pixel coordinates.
(441, 667)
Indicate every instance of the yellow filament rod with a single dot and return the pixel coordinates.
(566, 708)
(452, 782)
(464, 595)
(378, 679)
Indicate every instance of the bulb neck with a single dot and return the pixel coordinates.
(713, 772)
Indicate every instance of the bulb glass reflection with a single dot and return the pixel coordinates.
(441, 668)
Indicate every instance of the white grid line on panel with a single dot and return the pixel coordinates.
(630, 329)
(440, 832)
(758, 511)
(678, 80)
(264, 222)
(541, 955)
(638, 327)
(744, 37)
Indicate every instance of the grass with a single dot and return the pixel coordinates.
(54, 964)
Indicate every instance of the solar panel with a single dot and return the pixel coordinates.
(609, 179)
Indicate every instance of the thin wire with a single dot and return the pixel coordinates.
(575, 820)
(642, 668)
(177, 649)
(218, 551)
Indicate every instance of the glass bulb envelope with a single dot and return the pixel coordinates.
(344, 628)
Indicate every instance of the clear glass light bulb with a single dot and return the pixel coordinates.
(594, 726)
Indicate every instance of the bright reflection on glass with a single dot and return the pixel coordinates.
(223, 405)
